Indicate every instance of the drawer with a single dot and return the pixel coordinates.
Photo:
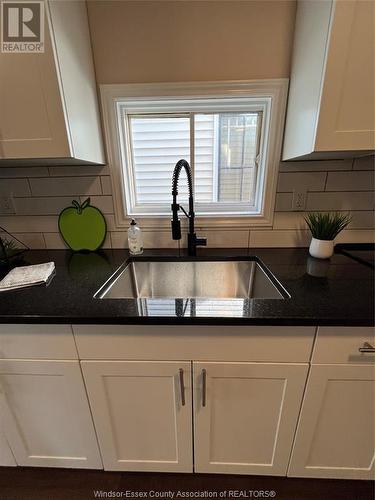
(200, 343)
(341, 345)
(37, 342)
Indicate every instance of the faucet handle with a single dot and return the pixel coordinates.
(202, 242)
(176, 228)
(193, 242)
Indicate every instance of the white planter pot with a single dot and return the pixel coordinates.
(321, 249)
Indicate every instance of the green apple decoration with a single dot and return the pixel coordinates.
(82, 226)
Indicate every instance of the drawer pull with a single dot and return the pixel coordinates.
(367, 348)
(204, 376)
(182, 387)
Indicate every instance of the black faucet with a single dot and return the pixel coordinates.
(193, 240)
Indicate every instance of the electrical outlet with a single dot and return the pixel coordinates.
(299, 200)
(7, 205)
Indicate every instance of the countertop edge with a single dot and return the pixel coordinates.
(187, 321)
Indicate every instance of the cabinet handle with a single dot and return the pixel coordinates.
(366, 348)
(182, 386)
(204, 377)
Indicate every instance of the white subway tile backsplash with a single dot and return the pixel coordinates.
(151, 239)
(31, 240)
(364, 163)
(40, 193)
(41, 206)
(111, 223)
(54, 241)
(276, 238)
(65, 186)
(13, 172)
(301, 238)
(29, 223)
(283, 202)
(119, 239)
(104, 203)
(16, 187)
(301, 181)
(106, 184)
(340, 201)
(315, 165)
(363, 220)
(108, 241)
(356, 236)
(295, 220)
(159, 239)
(78, 171)
(217, 238)
(289, 220)
(350, 181)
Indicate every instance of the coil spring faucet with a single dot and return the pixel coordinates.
(193, 240)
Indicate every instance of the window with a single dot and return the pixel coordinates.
(225, 147)
(226, 139)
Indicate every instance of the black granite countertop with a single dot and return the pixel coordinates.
(341, 293)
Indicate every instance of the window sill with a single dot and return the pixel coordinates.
(218, 221)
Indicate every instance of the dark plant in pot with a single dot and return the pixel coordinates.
(10, 247)
(324, 228)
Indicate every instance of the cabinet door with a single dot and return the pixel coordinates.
(142, 413)
(6, 455)
(246, 415)
(45, 414)
(336, 432)
(347, 119)
(32, 122)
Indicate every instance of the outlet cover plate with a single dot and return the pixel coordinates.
(299, 200)
(7, 205)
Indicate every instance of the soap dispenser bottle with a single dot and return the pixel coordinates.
(135, 239)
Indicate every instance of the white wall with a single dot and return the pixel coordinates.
(187, 40)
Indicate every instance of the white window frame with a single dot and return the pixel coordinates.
(127, 108)
(267, 95)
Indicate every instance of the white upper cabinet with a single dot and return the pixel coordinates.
(48, 103)
(331, 98)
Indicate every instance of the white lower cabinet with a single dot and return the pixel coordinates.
(336, 432)
(45, 414)
(6, 455)
(196, 414)
(142, 412)
(245, 415)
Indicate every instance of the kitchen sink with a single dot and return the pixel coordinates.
(200, 278)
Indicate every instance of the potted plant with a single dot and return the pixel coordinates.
(10, 247)
(324, 228)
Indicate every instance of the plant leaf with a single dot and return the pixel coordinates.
(326, 226)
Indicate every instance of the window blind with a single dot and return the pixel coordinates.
(224, 147)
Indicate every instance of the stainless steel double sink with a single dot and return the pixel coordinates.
(187, 278)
